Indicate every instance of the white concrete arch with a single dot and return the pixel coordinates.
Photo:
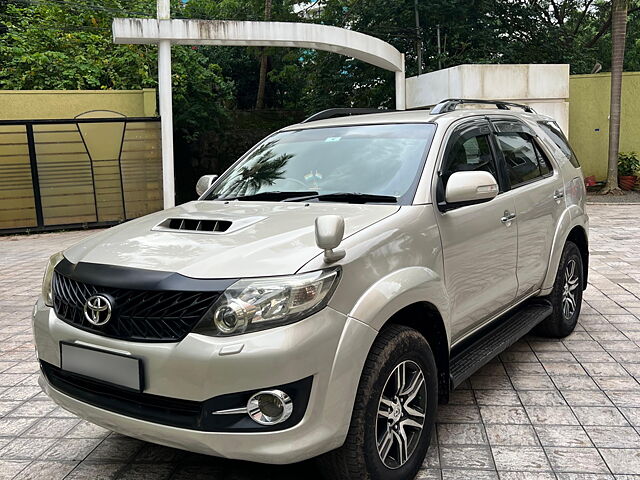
(165, 31)
(277, 34)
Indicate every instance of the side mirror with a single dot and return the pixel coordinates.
(329, 234)
(204, 183)
(465, 187)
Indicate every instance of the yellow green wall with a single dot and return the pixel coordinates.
(34, 104)
(589, 97)
(100, 172)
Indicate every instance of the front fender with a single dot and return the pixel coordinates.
(397, 290)
(572, 217)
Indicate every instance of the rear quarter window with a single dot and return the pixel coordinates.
(555, 134)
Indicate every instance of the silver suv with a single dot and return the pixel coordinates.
(327, 291)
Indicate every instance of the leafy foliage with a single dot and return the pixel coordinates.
(59, 44)
(628, 163)
(67, 44)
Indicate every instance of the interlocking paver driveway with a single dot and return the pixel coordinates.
(545, 409)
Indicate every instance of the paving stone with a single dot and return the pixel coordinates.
(570, 368)
(527, 476)
(627, 383)
(532, 382)
(429, 474)
(576, 460)
(461, 434)
(622, 461)
(497, 397)
(14, 426)
(25, 448)
(71, 449)
(599, 416)
(568, 382)
(587, 398)
(48, 470)
(504, 415)
(585, 476)
(51, 427)
(520, 458)
(10, 468)
(100, 471)
(115, 449)
(458, 414)
(551, 415)
(514, 435)
(464, 457)
(607, 369)
(462, 397)
(563, 436)
(542, 398)
(613, 437)
(155, 472)
(85, 429)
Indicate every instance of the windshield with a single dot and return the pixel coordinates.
(376, 163)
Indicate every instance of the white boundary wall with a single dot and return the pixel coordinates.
(545, 87)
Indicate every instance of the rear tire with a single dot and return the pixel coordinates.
(394, 412)
(566, 296)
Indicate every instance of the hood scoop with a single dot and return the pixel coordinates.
(195, 225)
(205, 225)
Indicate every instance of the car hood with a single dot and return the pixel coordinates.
(264, 239)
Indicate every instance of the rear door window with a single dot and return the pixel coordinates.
(555, 134)
(523, 159)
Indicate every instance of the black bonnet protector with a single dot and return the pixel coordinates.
(139, 279)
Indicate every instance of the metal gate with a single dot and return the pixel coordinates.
(99, 168)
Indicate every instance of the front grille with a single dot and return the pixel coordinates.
(138, 315)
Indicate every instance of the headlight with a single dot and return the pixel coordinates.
(255, 304)
(47, 294)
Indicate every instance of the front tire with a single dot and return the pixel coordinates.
(394, 411)
(566, 296)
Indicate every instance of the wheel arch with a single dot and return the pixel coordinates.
(572, 225)
(425, 318)
(578, 235)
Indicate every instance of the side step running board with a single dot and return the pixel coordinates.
(496, 338)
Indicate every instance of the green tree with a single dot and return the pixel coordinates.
(619, 10)
(59, 44)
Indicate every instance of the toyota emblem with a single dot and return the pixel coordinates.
(97, 309)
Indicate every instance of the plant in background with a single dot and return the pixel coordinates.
(628, 167)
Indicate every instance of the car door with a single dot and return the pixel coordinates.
(479, 241)
(537, 189)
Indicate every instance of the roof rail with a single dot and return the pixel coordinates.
(450, 104)
(342, 112)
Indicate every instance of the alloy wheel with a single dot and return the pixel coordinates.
(571, 281)
(401, 414)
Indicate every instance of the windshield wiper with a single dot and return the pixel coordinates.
(348, 197)
(274, 195)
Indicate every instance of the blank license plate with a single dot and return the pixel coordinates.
(114, 368)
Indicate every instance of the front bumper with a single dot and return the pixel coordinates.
(328, 346)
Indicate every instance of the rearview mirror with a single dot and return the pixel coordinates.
(465, 187)
(329, 234)
(204, 183)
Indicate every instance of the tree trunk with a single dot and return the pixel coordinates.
(264, 60)
(618, 38)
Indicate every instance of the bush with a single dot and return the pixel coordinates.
(628, 163)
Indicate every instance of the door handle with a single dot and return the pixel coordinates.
(558, 194)
(508, 217)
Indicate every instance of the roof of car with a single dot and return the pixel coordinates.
(412, 116)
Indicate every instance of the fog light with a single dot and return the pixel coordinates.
(270, 407)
